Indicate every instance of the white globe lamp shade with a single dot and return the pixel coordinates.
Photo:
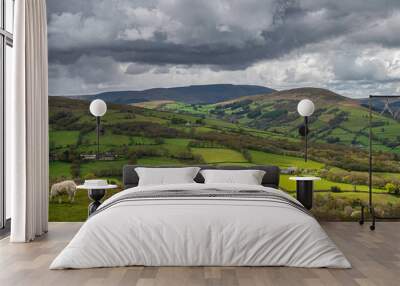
(98, 107)
(305, 107)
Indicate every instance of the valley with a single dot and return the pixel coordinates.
(250, 130)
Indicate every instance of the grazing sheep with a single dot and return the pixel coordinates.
(65, 187)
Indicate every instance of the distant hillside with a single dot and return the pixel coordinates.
(194, 94)
(337, 119)
(153, 137)
(317, 95)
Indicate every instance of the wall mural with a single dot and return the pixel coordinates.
(164, 108)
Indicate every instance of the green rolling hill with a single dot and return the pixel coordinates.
(337, 119)
(177, 136)
(185, 134)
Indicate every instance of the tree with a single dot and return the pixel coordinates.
(132, 157)
(336, 189)
(52, 145)
(333, 140)
(200, 121)
(392, 188)
(75, 169)
(254, 113)
(65, 156)
(246, 155)
(158, 141)
(356, 179)
(89, 176)
(176, 120)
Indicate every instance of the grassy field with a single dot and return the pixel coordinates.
(219, 155)
(179, 142)
(161, 137)
(188, 108)
(140, 140)
(153, 104)
(58, 169)
(63, 138)
(324, 185)
(176, 145)
(378, 198)
(106, 139)
(93, 166)
(283, 161)
(76, 211)
(158, 161)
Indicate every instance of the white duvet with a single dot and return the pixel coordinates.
(200, 231)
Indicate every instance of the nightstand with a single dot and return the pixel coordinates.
(305, 190)
(96, 191)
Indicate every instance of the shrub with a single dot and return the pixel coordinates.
(159, 141)
(176, 120)
(112, 181)
(111, 172)
(147, 152)
(246, 155)
(332, 140)
(61, 119)
(199, 121)
(254, 113)
(336, 189)
(132, 157)
(275, 114)
(75, 169)
(183, 155)
(392, 188)
(89, 176)
(198, 159)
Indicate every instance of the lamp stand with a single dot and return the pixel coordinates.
(98, 137)
(306, 135)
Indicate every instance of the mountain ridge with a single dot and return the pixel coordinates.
(319, 95)
(336, 119)
(193, 94)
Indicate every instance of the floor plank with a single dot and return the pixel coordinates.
(375, 257)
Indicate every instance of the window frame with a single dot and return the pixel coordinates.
(6, 39)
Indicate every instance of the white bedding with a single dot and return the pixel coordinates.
(200, 231)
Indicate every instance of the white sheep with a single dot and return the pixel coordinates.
(66, 187)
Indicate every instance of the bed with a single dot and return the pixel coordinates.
(198, 224)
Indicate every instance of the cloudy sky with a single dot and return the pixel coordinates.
(351, 47)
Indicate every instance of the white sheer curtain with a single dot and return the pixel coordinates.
(27, 123)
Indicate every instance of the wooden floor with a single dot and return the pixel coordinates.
(375, 257)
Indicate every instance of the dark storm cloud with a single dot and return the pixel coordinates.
(71, 6)
(294, 24)
(91, 39)
(161, 53)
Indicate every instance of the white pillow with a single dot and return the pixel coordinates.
(247, 177)
(166, 176)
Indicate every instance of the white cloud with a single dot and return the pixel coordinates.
(352, 47)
